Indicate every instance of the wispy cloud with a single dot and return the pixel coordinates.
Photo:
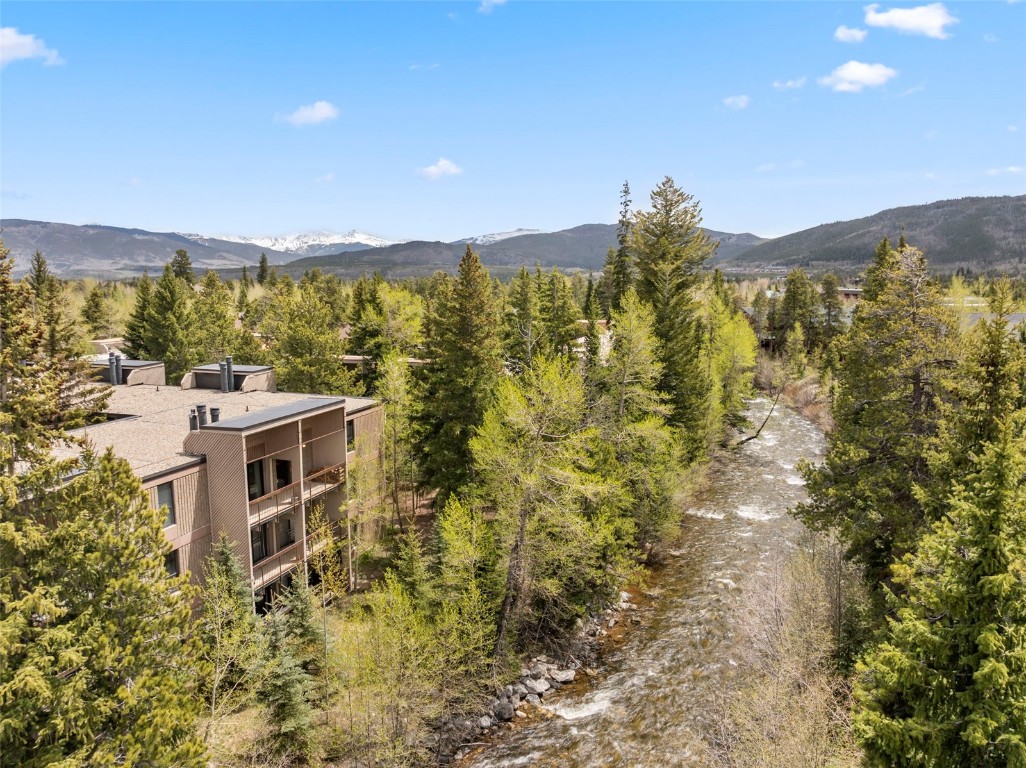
(853, 76)
(419, 67)
(737, 102)
(135, 181)
(766, 168)
(15, 46)
(850, 34)
(1006, 169)
(312, 114)
(444, 167)
(1013, 128)
(789, 85)
(327, 178)
(989, 38)
(929, 20)
(486, 6)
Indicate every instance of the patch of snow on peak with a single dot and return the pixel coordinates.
(301, 241)
(497, 236)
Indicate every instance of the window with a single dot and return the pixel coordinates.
(171, 563)
(350, 436)
(258, 542)
(166, 498)
(255, 479)
(285, 534)
(282, 473)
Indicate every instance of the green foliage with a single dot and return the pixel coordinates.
(671, 248)
(794, 353)
(396, 389)
(947, 685)
(216, 318)
(99, 312)
(525, 338)
(800, 305)
(619, 269)
(139, 325)
(385, 318)
(101, 661)
(171, 333)
(262, 269)
(466, 361)
(286, 691)
(305, 345)
(181, 266)
(832, 323)
(731, 349)
(559, 313)
(895, 360)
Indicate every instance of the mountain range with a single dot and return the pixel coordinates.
(981, 233)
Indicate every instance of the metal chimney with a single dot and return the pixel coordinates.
(201, 412)
(112, 368)
(117, 369)
(224, 375)
(193, 421)
(215, 414)
(231, 373)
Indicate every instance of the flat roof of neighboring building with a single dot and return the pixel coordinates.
(150, 437)
(216, 368)
(277, 413)
(102, 362)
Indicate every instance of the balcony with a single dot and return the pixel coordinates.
(316, 483)
(276, 565)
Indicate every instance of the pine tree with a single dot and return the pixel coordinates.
(830, 300)
(760, 313)
(137, 341)
(39, 274)
(466, 361)
(303, 634)
(895, 361)
(262, 269)
(559, 313)
(525, 338)
(98, 312)
(217, 334)
(230, 643)
(671, 249)
(794, 353)
(799, 305)
(101, 660)
(593, 342)
(181, 265)
(619, 267)
(304, 342)
(286, 693)
(947, 683)
(171, 333)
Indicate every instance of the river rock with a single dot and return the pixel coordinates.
(521, 714)
(612, 622)
(536, 686)
(485, 722)
(533, 699)
(520, 690)
(563, 675)
(504, 711)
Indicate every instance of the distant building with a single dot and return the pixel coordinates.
(226, 452)
(849, 294)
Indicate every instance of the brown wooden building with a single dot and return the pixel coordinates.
(236, 456)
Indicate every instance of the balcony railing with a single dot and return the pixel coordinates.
(272, 504)
(274, 566)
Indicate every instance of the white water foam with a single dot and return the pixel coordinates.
(594, 705)
(794, 480)
(752, 512)
(708, 514)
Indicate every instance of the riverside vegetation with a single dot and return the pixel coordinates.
(555, 467)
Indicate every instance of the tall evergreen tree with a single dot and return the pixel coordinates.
(671, 249)
(394, 389)
(137, 329)
(262, 269)
(171, 334)
(619, 268)
(181, 265)
(98, 312)
(286, 692)
(800, 305)
(947, 683)
(525, 337)
(559, 313)
(466, 361)
(832, 322)
(895, 362)
(39, 274)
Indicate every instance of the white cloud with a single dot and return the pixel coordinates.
(486, 6)
(1006, 169)
(135, 181)
(989, 38)
(417, 67)
(15, 46)
(855, 75)
(930, 175)
(1013, 128)
(766, 168)
(789, 85)
(850, 34)
(318, 112)
(929, 20)
(325, 179)
(737, 102)
(444, 167)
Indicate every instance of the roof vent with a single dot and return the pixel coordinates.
(201, 413)
(193, 421)
(215, 414)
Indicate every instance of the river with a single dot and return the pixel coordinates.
(654, 700)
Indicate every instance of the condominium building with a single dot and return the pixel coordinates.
(226, 452)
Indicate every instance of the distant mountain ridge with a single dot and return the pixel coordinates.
(582, 247)
(983, 233)
(308, 243)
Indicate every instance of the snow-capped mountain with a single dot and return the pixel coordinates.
(497, 236)
(307, 243)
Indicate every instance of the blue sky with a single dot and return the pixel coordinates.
(442, 120)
